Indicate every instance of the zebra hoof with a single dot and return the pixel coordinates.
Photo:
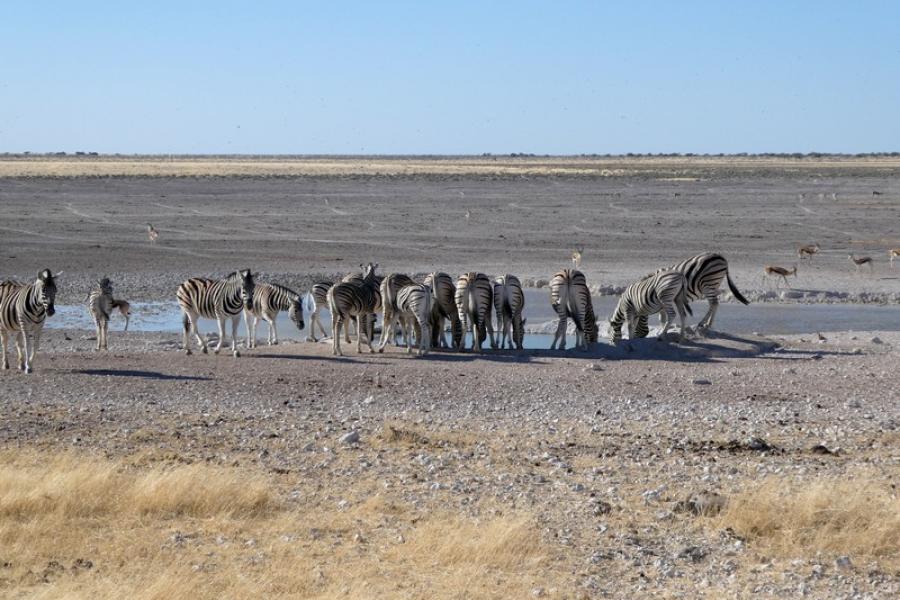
(28, 369)
(187, 351)
(204, 350)
(236, 354)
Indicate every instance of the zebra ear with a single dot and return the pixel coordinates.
(45, 275)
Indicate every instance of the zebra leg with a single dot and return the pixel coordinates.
(489, 325)
(707, 322)
(97, 327)
(35, 344)
(4, 341)
(220, 321)
(104, 329)
(367, 322)
(424, 336)
(336, 323)
(20, 354)
(273, 331)
(387, 326)
(669, 313)
(26, 353)
(560, 335)
(313, 319)
(234, 327)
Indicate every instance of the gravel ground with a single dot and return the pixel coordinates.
(602, 446)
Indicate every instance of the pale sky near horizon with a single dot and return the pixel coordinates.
(285, 77)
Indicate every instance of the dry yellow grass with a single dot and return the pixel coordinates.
(859, 518)
(194, 532)
(679, 168)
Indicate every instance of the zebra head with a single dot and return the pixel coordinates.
(45, 286)
(369, 271)
(247, 286)
(105, 284)
(295, 312)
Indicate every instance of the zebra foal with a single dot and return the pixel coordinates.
(269, 299)
(571, 298)
(221, 300)
(23, 309)
(101, 304)
(509, 301)
(662, 293)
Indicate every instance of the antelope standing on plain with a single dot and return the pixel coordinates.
(152, 233)
(893, 253)
(807, 251)
(576, 256)
(862, 260)
(773, 271)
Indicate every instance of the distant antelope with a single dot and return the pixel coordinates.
(152, 233)
(876, 193)
(893, 253)
(468, 215)
(807, 251)
(769, 271)
(576, 256)
(862, 260)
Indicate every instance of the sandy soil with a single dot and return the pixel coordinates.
(603, 449)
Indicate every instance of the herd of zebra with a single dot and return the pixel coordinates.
(422, 310)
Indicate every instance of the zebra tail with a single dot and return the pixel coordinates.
(734, 290)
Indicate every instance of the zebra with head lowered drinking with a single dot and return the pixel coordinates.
(359, 298)
(474, 300)
(215, 299)
(23, 309)
(268, 300)
(509, 301)
(570, 297)
(704, 274)
(443, 307)
(414, 311)
(390, 288)
(662, 293)
(100, 304)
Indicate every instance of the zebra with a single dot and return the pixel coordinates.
(390, 287)
(319, 293)
(570, 297)
(358, 298)
(443, 307)
(704, 274)
(509, 301)
(215, 299)
(414, 308)
(474, 299)
(268, 300)
(101, 304)
(23, 310)
(662, 293)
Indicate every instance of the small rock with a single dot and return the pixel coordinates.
(874, 340)
(820, 449)
(694, 553)
(843, 562)
(593, 367)
(701, 382)
(351, 437)
(369, 400)
(856, 351)
(537, 592)
(702, 503)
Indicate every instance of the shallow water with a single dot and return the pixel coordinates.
(768, 318)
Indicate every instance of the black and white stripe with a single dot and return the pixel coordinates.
(269, 299)
(704, 274)
(215, 299)
(390, 288)
(319, 293)
(571, 298)
(509, 302)
(662, 293)
(414, 310)
(101, 304)
(23, 309)
(474, 300)
(359, 298)
(443, 307)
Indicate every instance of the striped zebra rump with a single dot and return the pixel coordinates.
(24, 307)
(355, 298)
(216, 299)
(571, 298)
(268, 300)
(319, 293)
(664, 293)
(509, 303)
(474, 300)
(443, 307)
(414, 307)
(390, 288)
(704, 274)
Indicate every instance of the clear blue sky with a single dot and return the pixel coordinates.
(449, 77)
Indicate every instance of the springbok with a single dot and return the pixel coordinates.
(807, 251)
(893, 253)
(770, 271)
(576, 256)
(862, 260)
(152, 233)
